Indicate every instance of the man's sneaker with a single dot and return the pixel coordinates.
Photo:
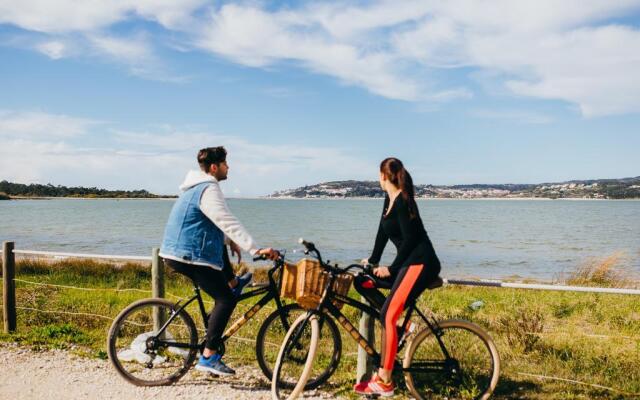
(214, 365)
(411, 327)
(375, 387)
(242, 282)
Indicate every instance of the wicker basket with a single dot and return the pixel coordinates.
(306, 281)
(289, 281)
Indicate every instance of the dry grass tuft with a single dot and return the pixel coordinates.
(523, 328)
(603, 272)
(80, 267)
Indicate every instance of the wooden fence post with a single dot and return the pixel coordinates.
(366, 329)
(8, 287)
(157, 286)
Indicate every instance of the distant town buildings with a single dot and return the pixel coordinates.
(601, 189)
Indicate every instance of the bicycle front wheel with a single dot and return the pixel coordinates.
(295, 359)
(273, 331)
(144, 357)
(465, 366)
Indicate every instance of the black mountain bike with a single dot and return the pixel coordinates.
(155, 342)
(452, 359)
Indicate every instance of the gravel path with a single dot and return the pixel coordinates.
(56, 374)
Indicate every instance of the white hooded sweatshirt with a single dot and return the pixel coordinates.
(214, 206)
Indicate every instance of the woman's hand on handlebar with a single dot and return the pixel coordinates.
(382, 272)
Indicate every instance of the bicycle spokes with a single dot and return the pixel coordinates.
(145, 356)
(466, 371)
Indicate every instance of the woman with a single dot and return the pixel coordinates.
(414, 268)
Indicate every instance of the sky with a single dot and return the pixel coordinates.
(122, 94)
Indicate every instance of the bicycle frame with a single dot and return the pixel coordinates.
(271, 293)
(327, 306)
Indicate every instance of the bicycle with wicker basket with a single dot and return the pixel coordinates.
(451, 359)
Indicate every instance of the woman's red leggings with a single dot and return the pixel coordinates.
(409, 284)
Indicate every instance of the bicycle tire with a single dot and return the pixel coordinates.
(456, 377)
(284, 355)
(184, 358)
(273, 325)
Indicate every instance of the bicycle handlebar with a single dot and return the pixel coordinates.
(308, 245)
(263, 257)
(311, 248)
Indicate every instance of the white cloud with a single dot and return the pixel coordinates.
(594, 68)
(160, 158)
(257, 38)
(54, 49)
(136, 53)
(255, 168)
(37, 124)
(568, 50)
(542, 49)
(57, 16)
(57, 162)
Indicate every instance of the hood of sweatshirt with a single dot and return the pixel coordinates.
(195, 177)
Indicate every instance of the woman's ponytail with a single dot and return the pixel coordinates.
(394, 171)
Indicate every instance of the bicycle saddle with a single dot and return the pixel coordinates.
(386, 284)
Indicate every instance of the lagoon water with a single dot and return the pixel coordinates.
(479, 238)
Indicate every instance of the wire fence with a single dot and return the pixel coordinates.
(241, 307)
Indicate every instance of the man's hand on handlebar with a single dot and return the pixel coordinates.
(269, 253)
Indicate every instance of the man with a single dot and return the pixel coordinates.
(199, 226)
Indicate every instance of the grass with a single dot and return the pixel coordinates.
(588, 338)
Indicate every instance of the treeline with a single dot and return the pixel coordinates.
(49, 190)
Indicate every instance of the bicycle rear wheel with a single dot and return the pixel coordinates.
(295, 359)
(470, 371)
(143, 357)
(271, 335)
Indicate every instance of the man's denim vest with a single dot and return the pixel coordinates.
(190, 236)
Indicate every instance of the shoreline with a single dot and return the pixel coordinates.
(438, 198)
(88, 198)
(331, 198)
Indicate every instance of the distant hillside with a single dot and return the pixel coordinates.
(10, 189)
(625, 188)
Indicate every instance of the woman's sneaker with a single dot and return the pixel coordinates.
(375, 387)
(214, 365)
